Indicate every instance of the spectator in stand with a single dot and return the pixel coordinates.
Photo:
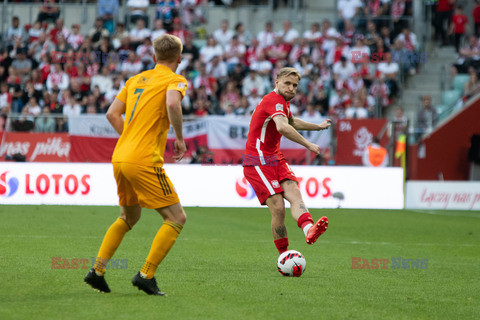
(398, 12)
(371, 35)
(25, 122)
(190, 50)
(103, 80)
(210, 49)
(107, 11)
(400, 121)
(310, 113)
(476, 17)
(206, 82)
(234, 53)
(132, 66)
(5, 99)
(426, 117)
(386, 36)
(71, 107)
(359, 52)
(469, 55)
(289, 35)
(330, 34)
(218, 69)
(266, 37)
(178, 29)
(339, 101)
(139, 33)
(75, 39)
(443, 17)
(22, 65)
(45, 123)
(253, 100)
(223, 35)
(158, 29)
(167, 12)
(57, 79)
(253, 52)
(278, 51)
(473, 84)
(54, 103)
(97, 32)
(401, 56)
(458, 25)
(58, 28)
(348, 10)
(35, 31)
(409, 41)
(339, 50)
(355, 83)
(145, 52)
(62, 45)
(349, 33)
(356, 110)
(367, 101)
(313, 34)
(201, 107)
(379, 91)
(375, 9)
(230, 96)
(119, 36)
(29, 92)
(138, 11)
(343, 70)
(253, 81)
(304, 66)
(300, 48)
(14, 32)
(389, 71)
(244, 36)
(49, 11)
(263, 67)
(111, 93)
(102, 105)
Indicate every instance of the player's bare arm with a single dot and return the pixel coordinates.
(174, 110)
(114, 115)
(289, 132)
(300, 124)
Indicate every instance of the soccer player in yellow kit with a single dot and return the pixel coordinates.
(151, 101)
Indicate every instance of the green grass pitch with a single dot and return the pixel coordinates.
(223, 266)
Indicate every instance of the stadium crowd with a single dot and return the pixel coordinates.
(350, 68)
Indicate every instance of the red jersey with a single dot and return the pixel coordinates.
(476, 14)
(459, 21)
(263, 141)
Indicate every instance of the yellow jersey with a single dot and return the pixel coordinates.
(146, 124)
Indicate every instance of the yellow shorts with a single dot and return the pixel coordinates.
(148, 186)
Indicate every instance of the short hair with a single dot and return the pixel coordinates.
(288, 71)
(167, 48)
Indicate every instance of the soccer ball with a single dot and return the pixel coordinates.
(291, 263)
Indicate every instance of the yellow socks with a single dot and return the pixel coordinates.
(163, 242)
(110, 243)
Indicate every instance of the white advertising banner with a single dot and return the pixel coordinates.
(57, 183)
(92, 125)
(231, 133)
(454, 195)
(199, 185)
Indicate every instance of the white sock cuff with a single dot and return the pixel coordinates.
(306, 228)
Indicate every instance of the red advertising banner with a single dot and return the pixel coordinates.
(92, 149)
(353, 136)
(39, 147)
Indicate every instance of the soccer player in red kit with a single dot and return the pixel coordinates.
(265, 166)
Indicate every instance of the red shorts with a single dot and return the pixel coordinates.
(265, 180)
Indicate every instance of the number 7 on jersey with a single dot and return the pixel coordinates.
(139, 91)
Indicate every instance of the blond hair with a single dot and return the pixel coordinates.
(285, 72)
(167, 48)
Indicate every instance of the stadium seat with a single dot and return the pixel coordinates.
(450, 97)
(459, 82)
(442, 111)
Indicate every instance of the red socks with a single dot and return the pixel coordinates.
(281, 244)
(304, 220)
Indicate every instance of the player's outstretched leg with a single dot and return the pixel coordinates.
(300, 212)
(97, 282)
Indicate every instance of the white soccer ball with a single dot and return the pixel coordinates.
(291, 263)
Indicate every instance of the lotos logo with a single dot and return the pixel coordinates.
(244, 189)
(8, 188)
